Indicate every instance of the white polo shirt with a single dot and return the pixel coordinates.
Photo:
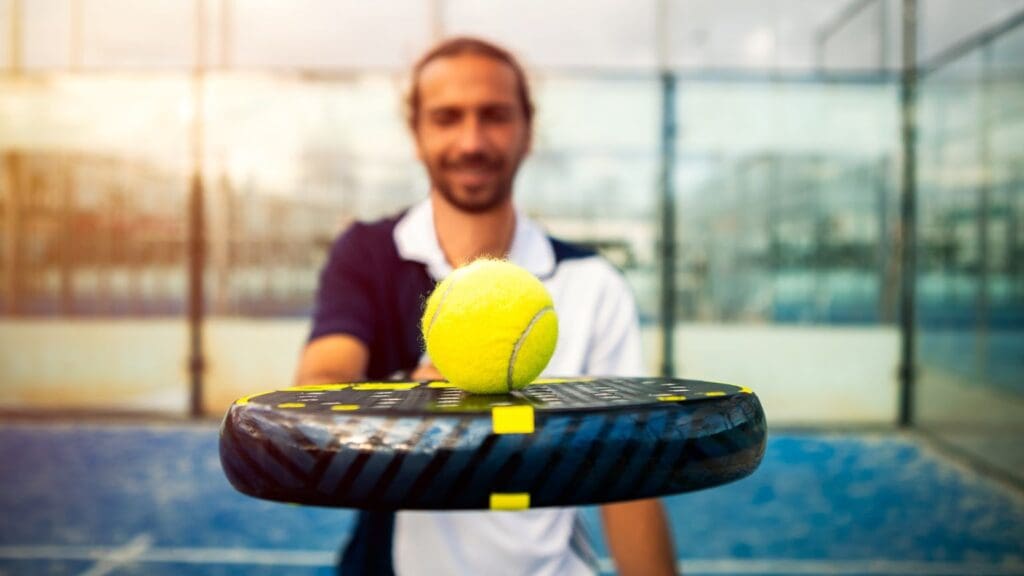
(598, 335)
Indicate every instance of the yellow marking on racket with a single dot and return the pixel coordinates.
(714, 394)
(745, 390)
(441, 384)
(345, 407)
(561, 380)
(316, 388)
(291, 405)
(512, 419)
(671, 398)
(245, 399)
(510, 501)
(385, 386)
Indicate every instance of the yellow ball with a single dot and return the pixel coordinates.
(490, 327)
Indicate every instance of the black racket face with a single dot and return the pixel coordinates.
(426, 445)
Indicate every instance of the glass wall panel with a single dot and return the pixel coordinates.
(946, 24)
(93, 240)
(592, 176)
(289, 163)
(786, 255)
(786, 203)
(971, 283)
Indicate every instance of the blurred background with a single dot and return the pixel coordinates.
(820, 199)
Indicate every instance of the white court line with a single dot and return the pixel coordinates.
(141, 553)
(121, 556)
(787, 566)
(180, 555)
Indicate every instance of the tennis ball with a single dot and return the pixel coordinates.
(490, 327)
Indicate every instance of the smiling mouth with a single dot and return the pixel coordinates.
(474, 171)
(474, 175)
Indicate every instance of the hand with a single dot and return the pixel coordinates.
(426, 371)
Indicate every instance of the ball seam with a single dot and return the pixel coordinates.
(519, 343)
(437, 309)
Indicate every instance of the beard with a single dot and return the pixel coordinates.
(474, 199)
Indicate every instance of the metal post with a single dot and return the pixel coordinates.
(667, 198)
(106, 237)
(67, 260)
(196, 241)
(11, 202)
(908, 213)
(196, 223)
(668, 223)
(982, 304)
(1016, 179)
(882, 256)
(773, 210)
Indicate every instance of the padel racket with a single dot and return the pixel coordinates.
(428, 445)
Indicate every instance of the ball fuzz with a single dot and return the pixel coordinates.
(490, 327)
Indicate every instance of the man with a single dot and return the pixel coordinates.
(472, 119)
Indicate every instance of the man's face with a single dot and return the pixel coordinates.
(471, 132)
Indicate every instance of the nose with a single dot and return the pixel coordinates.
(471, 135)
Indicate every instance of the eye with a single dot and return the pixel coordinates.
(497, 114)
(444, 116)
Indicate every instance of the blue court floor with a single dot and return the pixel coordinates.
(132, 499)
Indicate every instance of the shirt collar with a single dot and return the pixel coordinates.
(416, 240)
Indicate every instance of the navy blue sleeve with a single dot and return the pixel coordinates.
(345, 296)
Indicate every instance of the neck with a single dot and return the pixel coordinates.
(464, 237)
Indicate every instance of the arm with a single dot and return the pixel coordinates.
(638, 533)
(343, 320)
(638, 538)
(334, 358)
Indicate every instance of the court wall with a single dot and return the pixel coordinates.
(803, 374)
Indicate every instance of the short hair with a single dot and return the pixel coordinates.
(467, 45)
